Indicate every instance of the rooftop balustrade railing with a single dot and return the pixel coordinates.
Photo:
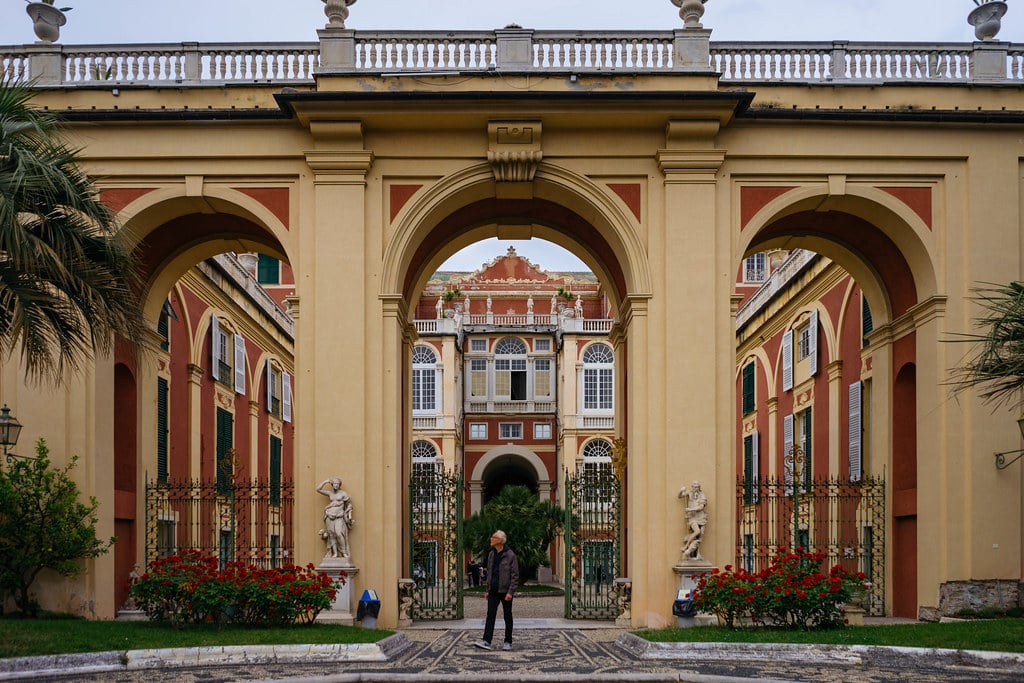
(512, 50)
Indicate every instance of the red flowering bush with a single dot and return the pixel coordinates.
(191, 588)
(792, 592)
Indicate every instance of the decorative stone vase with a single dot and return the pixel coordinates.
(690, 11)
(337, 12)
(986, 19)
(46, 21)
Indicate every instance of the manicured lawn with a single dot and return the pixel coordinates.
(27, 637)
(1004, 635)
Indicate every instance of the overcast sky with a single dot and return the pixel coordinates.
(148, 21)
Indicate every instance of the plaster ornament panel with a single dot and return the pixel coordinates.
(514, 150)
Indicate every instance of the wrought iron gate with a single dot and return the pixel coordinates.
(435, 543)
(235, 520)
(844, 520)
(593, 542)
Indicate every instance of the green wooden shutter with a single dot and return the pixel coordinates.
(162, 392)
(748, 388)
(275, 470)
(225, 440)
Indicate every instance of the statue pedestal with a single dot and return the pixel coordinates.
(340, 611)
(686, 572)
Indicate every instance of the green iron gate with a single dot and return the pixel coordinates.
(435, 543)
(593, 542)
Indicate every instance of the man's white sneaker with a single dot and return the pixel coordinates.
(506, 646)
(482, 644)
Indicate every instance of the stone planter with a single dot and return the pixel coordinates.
(690, 11)
(987, 19)
(46, 21)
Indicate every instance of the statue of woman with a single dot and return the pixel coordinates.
(337, 518)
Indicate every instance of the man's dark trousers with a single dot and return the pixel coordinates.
(493, 598)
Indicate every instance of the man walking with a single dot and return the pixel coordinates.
(502, 582)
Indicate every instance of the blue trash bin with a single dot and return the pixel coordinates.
(369, 609)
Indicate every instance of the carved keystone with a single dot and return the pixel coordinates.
(514, 150)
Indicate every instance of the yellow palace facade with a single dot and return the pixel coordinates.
(662, 160)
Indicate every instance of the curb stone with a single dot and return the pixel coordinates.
(849, 654)
(47, 666)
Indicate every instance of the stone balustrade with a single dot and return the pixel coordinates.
(512, 51)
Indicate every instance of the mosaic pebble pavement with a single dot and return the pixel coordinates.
(564, 654)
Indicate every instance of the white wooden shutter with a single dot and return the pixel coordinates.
(787, 360)
(754, 470)
(854, 421)
(787, 453)
(812, 339)
(239, 364)
(215, 357)
(286, 396)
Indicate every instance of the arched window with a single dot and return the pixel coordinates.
(598, 378)
(510, 369)
(425, 467)
(597, 473)
(425, 387)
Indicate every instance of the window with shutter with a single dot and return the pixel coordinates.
(787, 361)
(542, 378)
(275, 470)
(806, 424)
(478, 378)
(162, 392)
(867, 324)
(225, 442)
(268, 270)
(812, 342)
(856, 433)
(239, 364)
(748, 388)
(286, 397)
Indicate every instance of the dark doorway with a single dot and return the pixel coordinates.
(508, 470)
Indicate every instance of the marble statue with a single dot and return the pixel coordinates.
(337, 518)
(696, 520)
(439, 306)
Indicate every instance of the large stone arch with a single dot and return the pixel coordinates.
(566, 208)
(889, 250)
(174, 230)
(860, 230)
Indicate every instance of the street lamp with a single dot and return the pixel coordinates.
(10, 430)
(1001, 463)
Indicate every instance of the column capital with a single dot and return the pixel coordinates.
(195, 373)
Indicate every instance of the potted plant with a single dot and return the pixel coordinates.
(46, 19)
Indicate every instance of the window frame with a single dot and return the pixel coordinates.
(510, 431)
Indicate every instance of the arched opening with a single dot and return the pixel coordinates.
(825, 390)
(508, 470)
(203, 415)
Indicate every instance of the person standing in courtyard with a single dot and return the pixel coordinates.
(502, 582)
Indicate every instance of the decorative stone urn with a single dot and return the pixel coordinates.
(986, 18)
(47, 20)
(690, 11)
(337, 12)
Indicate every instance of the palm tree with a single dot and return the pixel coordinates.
(67, 277)
(997, 362)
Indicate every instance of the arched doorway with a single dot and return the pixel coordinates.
(819, 383)
(209, 399)
(507, 470)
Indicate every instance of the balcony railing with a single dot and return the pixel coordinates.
(522, 51)
(455, 324)
(510, 407)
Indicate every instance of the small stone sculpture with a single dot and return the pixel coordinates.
(337, 518)
(696, 520)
